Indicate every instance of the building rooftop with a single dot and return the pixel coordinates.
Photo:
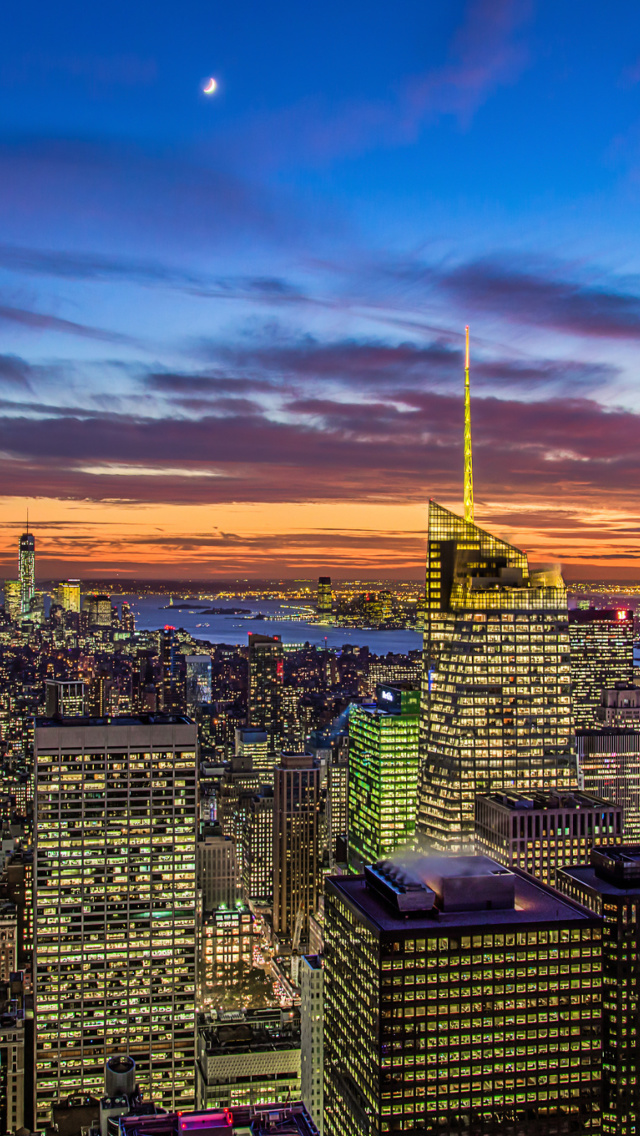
(260, 1120)
(450, 892)
(614, 870)
(538, 801)
(120, 720)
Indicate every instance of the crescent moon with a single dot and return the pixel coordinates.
(210, 87)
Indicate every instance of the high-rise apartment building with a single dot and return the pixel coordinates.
(66, 699)
(67, 595)
(496, 678)
(27, 571)
(266, 677)
(610, 886)
(255, 743)
(311, 976)
(543, 832)
(171, 686)
(115, 903)
(98, 608)
(601, 656)
(324, 601)
(198, 681)
(296, 868)
(609, 766)
(257, 847)
(13, 598)
(383, 773)
(460, 997)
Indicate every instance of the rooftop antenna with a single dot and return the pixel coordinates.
(468, 466)
(27, 518)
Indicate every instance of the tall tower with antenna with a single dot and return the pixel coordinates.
(468, 462)
(27, 569)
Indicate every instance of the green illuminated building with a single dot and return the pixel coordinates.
(497, 678)
(610, 886)
(460, 998)
(115, 900)
(383, 773)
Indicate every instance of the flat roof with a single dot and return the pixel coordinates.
(543, 801)
(535, 902)
(116, 720)
(586, 874)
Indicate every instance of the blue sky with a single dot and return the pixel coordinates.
(231, 326)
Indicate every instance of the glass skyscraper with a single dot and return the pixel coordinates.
(601, 656)
(115, 899)
(266, 678)
(383, 773)
(27, 571)
(497, 678)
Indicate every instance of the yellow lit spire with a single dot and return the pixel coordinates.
(468, 466)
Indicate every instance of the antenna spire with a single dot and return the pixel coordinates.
(468, 466)
(27, 518)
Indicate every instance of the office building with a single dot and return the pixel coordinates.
(459, 997)
(98, 608)
(544, 831)
(217, 869)
(27, 571)
(171, 686)
(383, 773)
(609, 766)
(610, 886)
(601, 656)
(249, 1059)
(324, 600)
(198, 681)
(12, 599)
(312, 1037)
(337, 807)
(115, 903)
(271, 1119)
(67, 595)
(497, 679)
(257, 847)
(620, 706)
(225, 954)
(296, 869)
(65, 699)
(255, 744)
(12, 1068)
(266, 677)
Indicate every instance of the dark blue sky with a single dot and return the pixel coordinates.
(231, 327)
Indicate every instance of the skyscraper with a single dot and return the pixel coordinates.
(496, 673)
(311, 1037)
(115, 898)
(324, 601)
(610, 886)
(98, 608)
(198, 681)
(383, 773)
(296, 869)
(601, 656)
(27, 571)
(543, 832)
(13, 598)
(609, 765)
(460, 997)
(266, 677)
(67, 595)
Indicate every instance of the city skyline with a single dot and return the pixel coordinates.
(233, 326)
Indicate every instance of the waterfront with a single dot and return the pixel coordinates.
(282, 618)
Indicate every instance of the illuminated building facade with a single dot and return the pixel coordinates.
(324, 601)
(496, 680)
(620, 706)
(255, 744)
(610, 886)
(601, 656)
(460, 997)
(257, 848)
(12, 598)
(27, 571)
(217, 871)
(311, 976)
(67, 595)
(225, 957)
(545, 831)
(64, 698)
(198, 672)
(98, 608)
(609, 765)
(296, 868)
(266, 677)
(250, 1059)
(383, 774)
(115, 902)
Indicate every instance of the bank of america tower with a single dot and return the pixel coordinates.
(496, 702)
